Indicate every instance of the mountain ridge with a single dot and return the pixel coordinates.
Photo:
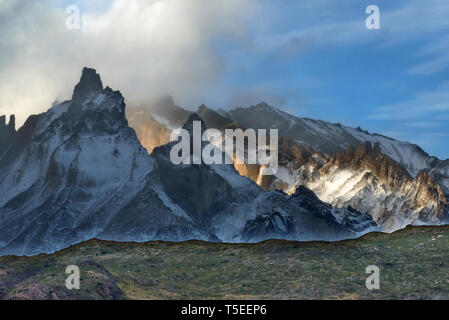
(301, 164)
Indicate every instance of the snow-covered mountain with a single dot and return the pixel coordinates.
(331, 138)
(395, 182)
(78, 172)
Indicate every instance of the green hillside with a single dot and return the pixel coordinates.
(414, 264)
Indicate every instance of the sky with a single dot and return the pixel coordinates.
(311, 58)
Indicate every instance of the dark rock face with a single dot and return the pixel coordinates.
(90, 83)
(12, 123)
(350, 218)
(212, 119)
(270, 226)
(7, 132)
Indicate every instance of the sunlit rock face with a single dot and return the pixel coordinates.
(368, 180)
(151, 133)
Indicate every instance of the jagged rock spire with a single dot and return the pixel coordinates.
(12, 123)
(90, 82)
(188, 125)
(202, 108)
(11, 126)
(7, 132)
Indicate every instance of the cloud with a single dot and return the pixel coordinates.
(144, 48)
(429, 104)
(408, 21)
(422, 119)
(439, 61)
(424, 124)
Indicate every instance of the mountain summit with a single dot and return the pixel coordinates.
(90, 84)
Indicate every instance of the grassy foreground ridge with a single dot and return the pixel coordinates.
(414, 264)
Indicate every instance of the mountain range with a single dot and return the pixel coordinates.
(395, 182)
(79, 171)
(92, 168)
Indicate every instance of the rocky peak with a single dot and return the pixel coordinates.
(266, 107)
(7, 132)
(89, 83)
(163, 150)
(302, 191)
(92, 110)
(189, 123)
(212, 118)
(202, 108)
(11, 126)
(166, 108)
(12, 123)
(263, 105)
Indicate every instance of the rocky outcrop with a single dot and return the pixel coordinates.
(270, 226)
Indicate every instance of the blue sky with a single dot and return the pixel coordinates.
(311, 58)
(391, 81)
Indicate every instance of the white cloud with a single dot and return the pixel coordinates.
(421, 119)
(438, 53)
(429, 104)
(144, 48)
(412, 21)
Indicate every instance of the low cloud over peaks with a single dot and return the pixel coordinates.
(143, 48)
